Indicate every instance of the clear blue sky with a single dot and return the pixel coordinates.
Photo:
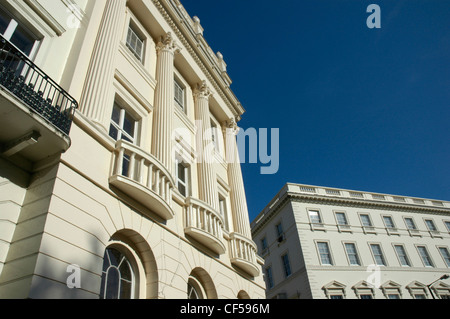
(357, 108)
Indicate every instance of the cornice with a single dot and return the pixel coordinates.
(211, 64)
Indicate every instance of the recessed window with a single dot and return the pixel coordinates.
(388, 222)
(215, 136)
(279, 232)
(352, 254)
(117, 276)
(314, 217)
(286, 265)
(341, 219)
(17, 34)
(179, 95)
(182, 177)
(426, 259)
(223, 210)
(445, 254)
(430, 225)
(269, 277)
(378, 254)
(135, 42)
(123, 125)
(402, 256)
(324, 253)
(447, 224)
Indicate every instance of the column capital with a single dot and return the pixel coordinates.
(202, 91)
(230, 126)
(167, 43)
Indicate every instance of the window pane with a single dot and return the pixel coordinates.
(388, 222)
(4, 22)
(352, 254)
(324, 252)
(378, 255)
(410, 223)
(430, 225)
(128, 125)
(425, 257)
(315, 217)
(342, 220)
(366, 220)
(401, 253)
(445, 254)
(23, 40)
(286, 265)
(113, 132)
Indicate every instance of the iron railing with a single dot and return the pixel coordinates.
(20, 76)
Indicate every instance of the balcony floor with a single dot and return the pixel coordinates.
(18, 120)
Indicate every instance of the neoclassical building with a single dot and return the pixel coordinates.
(119, 172)
(330, 243)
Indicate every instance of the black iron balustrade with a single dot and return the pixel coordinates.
(35, 88)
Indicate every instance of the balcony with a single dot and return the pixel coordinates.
(243, 254)
(204, 224)
(35, 112)
(142, 177)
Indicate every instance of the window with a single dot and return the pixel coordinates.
(280, 232)
(366, 222)
(378, 254)
(314, 217)
(195, 289)
(179, 95)
(269, 277)
(410, 223)
(324, 253)
(390, 226)
(215, 136)
(430, 225)
(388, 222)
(336, 297)
(401, 254)
(286, 265)
(447, 224)
(426, 259)
(117, 276)
(12, 31)
(182, 177)
(223, 210)
(123, 125)
(366, 296)
(393, 296)
(341, 219)
(411, 226)
(445, 254)
(135, 42)
(352, 254)
(264, 246)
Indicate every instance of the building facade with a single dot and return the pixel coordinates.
(119, 174)
(328, 243)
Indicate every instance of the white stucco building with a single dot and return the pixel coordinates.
(118, 169)
(321, 242)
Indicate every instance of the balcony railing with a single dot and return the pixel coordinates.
(243, 254)
(30, 84)
(204, 224)
(142, 177)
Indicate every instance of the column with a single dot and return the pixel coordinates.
(238, 199)
(207, 180)
(164, 101)
(96, 100)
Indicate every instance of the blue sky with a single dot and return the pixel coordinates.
(357, 108)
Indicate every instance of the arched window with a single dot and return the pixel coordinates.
(117, 276)
(195, 289)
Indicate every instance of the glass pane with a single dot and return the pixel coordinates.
(114, 256)
(182, 189)
(366, 220)
(125, 289)
(4, 22)
(116, 114)
(113, 132)
(125, 271)
(112, 283)
(128, 125)
(23, 40)
(182, 173)
(342, 220)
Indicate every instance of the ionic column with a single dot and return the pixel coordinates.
(96, 101)
(238, 199)
(164, 101)
(207, 180)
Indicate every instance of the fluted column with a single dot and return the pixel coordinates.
(207, 180)
(238, 199)
(164, 101)
(96, 101)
